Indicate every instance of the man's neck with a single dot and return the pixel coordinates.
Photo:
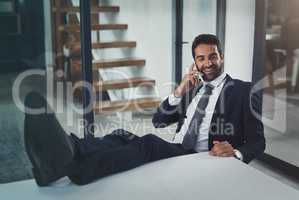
(216, 81)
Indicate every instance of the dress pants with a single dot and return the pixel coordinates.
(117, 152)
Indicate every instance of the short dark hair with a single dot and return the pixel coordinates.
(206, 39)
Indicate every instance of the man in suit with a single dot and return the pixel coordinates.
(229, 127)
(214, 113)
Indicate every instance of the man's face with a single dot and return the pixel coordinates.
(208, 61)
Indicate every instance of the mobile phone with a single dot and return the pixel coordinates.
(199, 75)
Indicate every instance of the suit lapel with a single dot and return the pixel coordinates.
(225, 92)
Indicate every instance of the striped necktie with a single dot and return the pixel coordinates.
(192, 133)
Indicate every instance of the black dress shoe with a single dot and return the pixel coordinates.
(49, 148)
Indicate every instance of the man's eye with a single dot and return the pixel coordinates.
(213, 57)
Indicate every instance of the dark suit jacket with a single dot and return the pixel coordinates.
(234, 119)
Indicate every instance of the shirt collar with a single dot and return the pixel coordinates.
(217, 81)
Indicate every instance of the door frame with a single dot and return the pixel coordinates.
(86, 63)
(178, 56)
(259, 53)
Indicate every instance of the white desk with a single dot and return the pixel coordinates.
(197, 176)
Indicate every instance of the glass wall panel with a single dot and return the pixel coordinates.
(281, 98)
(35, 56)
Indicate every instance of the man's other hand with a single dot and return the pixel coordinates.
(222, 149)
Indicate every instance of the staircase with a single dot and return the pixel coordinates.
(67, 47)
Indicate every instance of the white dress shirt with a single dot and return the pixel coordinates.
(203, 137)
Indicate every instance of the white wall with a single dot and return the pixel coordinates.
(239, 40)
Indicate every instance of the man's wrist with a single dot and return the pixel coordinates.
(177, 93)
(173, 100)
(238, 154)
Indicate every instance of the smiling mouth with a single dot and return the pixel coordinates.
(209, 71)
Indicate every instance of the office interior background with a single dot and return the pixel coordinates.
(140, 51)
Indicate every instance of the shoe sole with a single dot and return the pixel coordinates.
(48, 151)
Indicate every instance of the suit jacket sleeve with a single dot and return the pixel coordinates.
(166, 114)
(254, 143)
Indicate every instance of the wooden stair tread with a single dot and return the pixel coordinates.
(116, 44)
(126, 105)
(124, 83)
(122, 62)
(75, 9)
(111, 63)
(75, 46)
(70, 28)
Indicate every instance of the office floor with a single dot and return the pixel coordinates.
(15, 165)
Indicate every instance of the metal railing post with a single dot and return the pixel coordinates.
(86, 63)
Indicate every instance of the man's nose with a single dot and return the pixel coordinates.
(207, 62)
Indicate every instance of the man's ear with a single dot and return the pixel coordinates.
(222, 57)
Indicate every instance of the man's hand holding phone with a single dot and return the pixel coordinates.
(190, 80)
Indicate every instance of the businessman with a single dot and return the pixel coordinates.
(213, 113)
